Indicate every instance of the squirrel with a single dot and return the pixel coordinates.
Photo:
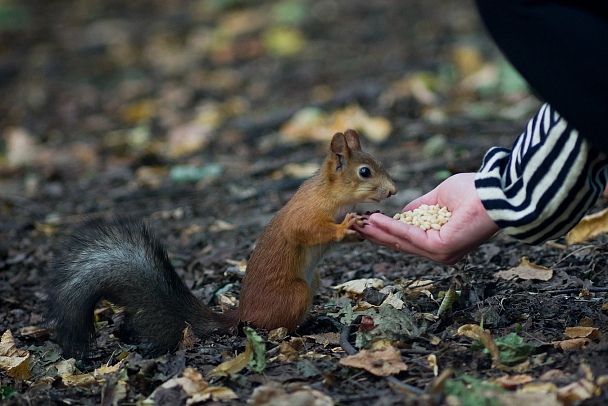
(122, 262)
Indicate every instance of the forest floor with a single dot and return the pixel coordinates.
(202, 118)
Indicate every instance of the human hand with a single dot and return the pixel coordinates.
(469, 227)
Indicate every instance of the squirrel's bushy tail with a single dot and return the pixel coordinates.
(122, 262)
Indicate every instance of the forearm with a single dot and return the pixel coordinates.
(542, 187)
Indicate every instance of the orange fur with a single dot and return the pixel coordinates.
(281, 280)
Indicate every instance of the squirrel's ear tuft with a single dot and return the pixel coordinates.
(352, 139)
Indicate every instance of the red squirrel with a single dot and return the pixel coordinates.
(122, 262)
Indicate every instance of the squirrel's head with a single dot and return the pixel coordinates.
(355, 173)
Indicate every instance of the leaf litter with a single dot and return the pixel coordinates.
(210, 115)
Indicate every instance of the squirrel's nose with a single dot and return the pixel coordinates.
(392, 191)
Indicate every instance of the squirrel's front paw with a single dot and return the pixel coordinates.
(351, 220)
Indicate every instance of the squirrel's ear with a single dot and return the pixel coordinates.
(338, 144)
(340, 149)
(352, 139)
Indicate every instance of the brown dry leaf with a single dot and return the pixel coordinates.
(197, 389)
(379, 343)
(605, 307)
(278, 334)
(540, 387)
(469, 330)
(486, 339)
(14, 361)
(82, 380)
(287, 353)
(592, 333)
(572, 344)
(273, 394)
(234, 365)
(589, 227)
(418, 286)
(577, 391)
(526, 398)
(380, 363)
(513, 381)
(107, 369)
(188, 339)
(432, 359)
(325, 339)
(527, 270)
(357, 286)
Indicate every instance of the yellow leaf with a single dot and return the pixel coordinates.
(589, 227)
(527, 270)
(234, 365)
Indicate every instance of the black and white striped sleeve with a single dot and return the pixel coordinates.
(544, 185)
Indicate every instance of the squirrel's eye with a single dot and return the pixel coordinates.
(365, 172)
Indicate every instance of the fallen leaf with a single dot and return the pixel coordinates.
(195, 387)
(273, 394)
(513, 381)
(572, 344)
(527, 270)
(432, 359)
(394, 301)
(589, 227)
(234, 365)
(528, 398)
(488, 342)
(287, 353)
(278, 334)
(446, 304)
(357, 286)
(14, 361)
(469, 330)
(592, 333)
(21, 148)
(107, 369)
(540, 387)
(380, 363)
(258, 360)
(577, 391)
(325, 339)
(82, 380)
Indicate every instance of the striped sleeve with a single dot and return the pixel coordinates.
(543, 186)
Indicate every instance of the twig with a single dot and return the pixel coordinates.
(577, 290)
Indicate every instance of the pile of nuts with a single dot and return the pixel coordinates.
(425, 217)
